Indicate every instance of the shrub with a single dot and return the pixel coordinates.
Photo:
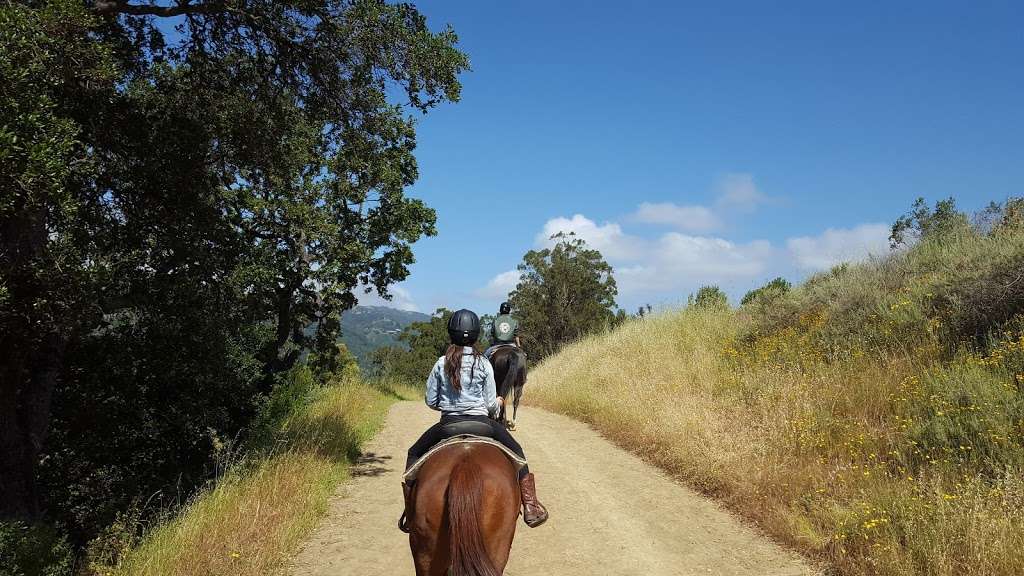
(27, 550)
(710, 298)
(768, 292)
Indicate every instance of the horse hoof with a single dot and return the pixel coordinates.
(511, 426)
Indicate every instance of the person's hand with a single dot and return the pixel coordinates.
(501, 401)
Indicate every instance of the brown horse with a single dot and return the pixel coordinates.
(509, 364)
(466, 506)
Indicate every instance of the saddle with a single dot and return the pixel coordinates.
(498, 346)
(464, 438)
(465, 432)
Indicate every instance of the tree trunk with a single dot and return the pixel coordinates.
(24, 424)
(277, 360)
(17, 467)
(33, 348)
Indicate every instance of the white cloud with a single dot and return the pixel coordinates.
(675, 263)
(689, 218)
(400, 299)
(500, 286)
(837, 245)
(667, 267)
(734, 194)
(678, 264)
(608, 237)
(737, 192)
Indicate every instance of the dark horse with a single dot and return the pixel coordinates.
(509, 364)
(466, 508)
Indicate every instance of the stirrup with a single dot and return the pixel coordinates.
(538, 520)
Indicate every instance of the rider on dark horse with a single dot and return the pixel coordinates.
(461, 386)
(503, 330)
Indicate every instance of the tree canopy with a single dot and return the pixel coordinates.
(564, 292)
(184, 187)
(922, 221)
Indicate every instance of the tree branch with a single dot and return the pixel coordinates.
(108, 7)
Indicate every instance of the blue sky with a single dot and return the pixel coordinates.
(709, 143)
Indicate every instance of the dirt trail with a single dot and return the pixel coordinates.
(611, 513)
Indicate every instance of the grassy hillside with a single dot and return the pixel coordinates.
(871, 417)
(262, 508)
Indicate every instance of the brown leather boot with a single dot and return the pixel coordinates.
(534, 513)
(403, 522)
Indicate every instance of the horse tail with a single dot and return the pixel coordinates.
(465, 493)
(514, 369)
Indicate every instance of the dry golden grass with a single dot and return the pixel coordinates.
(828, 453)
(255, 516)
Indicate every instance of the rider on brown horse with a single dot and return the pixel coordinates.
(461, 386)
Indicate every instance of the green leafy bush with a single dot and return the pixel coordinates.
(709, 297)
(768, 292)
(39, 550)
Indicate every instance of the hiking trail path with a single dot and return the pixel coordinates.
(611, 513)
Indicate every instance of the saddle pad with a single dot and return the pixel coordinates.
(410, 474)
(494, 348)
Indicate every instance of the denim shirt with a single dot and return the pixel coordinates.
(478, 395)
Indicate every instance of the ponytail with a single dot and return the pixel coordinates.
(453, 364)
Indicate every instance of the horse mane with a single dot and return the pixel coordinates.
(465, 493)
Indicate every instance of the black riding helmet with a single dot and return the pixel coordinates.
(505, 308)
(464, 327)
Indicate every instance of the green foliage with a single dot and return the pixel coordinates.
(773, 289)
(486, 325)
(947, 290)
(967, 416)
(1011, 216)
(117, 539)
(285, 399)
(922, 222)
(333, 362)
(949, 301)
(710, 298)
(33, 550)
(564, 293)
(174, 211)
(137, 385)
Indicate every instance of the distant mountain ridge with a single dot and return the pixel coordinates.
(367, 328)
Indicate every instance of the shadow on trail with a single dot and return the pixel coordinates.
(370, 464)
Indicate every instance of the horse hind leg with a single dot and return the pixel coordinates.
(510, 423)
(518, 393)
(503, 411)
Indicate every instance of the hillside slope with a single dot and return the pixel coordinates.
(871, 417)
(269, 498)
(366, 328)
